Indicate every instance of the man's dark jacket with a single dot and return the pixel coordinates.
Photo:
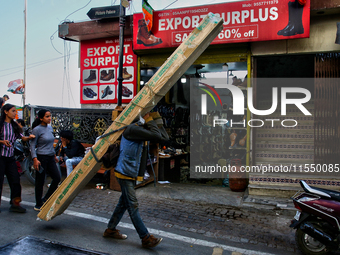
(73, 149)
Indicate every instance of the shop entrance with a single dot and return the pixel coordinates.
(225, 142)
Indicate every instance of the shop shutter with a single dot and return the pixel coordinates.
(327, 107)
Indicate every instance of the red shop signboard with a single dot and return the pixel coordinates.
(99, 69)
(244, 21)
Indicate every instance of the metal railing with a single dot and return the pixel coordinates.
(86, 124)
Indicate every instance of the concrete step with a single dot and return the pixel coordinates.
(281, 185)
(273, 191)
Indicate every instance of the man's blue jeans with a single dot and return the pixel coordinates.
(70, 162)
(128, 201)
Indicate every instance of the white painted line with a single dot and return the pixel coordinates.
(173, 236)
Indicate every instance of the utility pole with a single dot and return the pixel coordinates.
(123, 4)
(25, 46)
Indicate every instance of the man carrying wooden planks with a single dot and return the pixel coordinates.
(130, 168)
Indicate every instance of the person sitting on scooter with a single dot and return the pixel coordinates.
(9, 132)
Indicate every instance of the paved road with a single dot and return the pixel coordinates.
(187, 227)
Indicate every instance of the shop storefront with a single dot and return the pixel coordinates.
(255, 43)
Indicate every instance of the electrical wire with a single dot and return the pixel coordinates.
(66, 78)
(170, 4)
(133, 8)
(33, 65)
(66, 56)
(77, 10)
(65, 20)
(51, 40)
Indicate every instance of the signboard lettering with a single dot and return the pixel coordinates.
(99, 70)
(244, 21)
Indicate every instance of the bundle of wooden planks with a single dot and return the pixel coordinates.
(159, 84)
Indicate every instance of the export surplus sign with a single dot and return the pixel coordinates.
(99, 69)
(245, 21)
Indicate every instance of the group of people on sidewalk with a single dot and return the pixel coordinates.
(42, 152)
(131, 163)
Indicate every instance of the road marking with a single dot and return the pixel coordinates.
(217, 251)
(185, 239)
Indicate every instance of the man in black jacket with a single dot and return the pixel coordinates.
(72, 151)
(129, 169)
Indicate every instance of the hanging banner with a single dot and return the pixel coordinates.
(16, 86)
(244, 21)
(99, 69)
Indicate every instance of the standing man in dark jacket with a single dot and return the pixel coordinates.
(130, 168)
(72, 151)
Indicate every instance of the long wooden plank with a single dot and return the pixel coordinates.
(159, 84)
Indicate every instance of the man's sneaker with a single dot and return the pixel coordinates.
(37, 208)
(150, 241)
(17, 208)
(114, 234)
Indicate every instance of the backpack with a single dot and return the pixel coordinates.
(110, 158)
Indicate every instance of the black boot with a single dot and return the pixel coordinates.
(290, 15)
(295, 26)
(92, 77)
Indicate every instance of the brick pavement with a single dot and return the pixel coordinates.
(237, 224)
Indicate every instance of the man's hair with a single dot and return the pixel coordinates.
(67, 134)
(6, 96)
(22, 122)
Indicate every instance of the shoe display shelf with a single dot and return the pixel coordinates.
(213, 144)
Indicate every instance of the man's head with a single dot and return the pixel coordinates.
(67, 135)
(21, 123)
(5, 97)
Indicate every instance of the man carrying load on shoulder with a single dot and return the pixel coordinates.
(130, 168)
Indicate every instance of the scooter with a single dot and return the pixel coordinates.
(317, 220)
(23, 157)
